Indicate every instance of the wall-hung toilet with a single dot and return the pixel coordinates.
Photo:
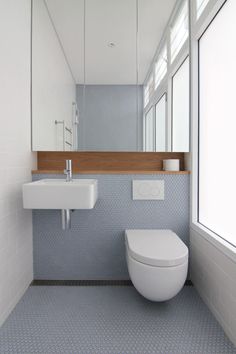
(157, 262)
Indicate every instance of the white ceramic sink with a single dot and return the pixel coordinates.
(59, 194)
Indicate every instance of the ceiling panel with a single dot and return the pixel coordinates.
(109, 21)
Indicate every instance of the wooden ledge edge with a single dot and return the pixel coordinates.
(113, 172)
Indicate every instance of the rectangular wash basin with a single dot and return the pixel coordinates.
(59, 194)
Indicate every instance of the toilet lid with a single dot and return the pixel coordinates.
(161, 248)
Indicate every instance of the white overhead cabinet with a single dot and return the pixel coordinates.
(53, 87)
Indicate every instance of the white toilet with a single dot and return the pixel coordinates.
(157, 262)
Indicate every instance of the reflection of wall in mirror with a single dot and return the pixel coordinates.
(110, 121)
(54, 89)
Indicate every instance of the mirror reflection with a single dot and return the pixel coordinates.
(110, 75)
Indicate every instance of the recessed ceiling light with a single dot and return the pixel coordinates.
(111, 44)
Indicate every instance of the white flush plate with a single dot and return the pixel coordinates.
(148, 190)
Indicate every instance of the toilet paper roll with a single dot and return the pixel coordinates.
(171, 165)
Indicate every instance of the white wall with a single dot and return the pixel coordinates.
(214, 275)
(53, 87)
(16, 159)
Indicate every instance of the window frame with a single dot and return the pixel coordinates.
(198, 27)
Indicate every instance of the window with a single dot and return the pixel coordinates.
(158, 129)
(200, 6)
(217, 124)
(161, 124)
(148, 90)
(161, 67)
(146, 95)
(149, 130)
(180, 108)
(179, 32)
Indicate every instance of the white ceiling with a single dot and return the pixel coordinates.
(109, 21)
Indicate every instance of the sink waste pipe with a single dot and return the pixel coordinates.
(66, 219)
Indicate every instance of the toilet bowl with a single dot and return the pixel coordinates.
(157, 262)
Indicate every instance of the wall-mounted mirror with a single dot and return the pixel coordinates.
(110, 75)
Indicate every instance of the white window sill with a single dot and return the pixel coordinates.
(222, 245)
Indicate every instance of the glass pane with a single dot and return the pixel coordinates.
(161, 67)
(201, 4)
(180, 109)
(148, 90)
(217, 110)
(179, 32)
(149, 130)
(161, 124)
(145, 95)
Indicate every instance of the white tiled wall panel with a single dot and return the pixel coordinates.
(214, 276)
(16, 159)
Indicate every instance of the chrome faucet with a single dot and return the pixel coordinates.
(68, 171)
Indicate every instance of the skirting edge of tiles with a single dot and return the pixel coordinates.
(54, 282)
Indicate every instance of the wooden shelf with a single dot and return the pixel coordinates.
(104, 161)
(108, 162)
